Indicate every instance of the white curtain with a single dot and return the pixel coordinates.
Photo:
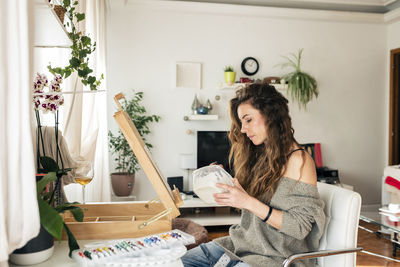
(86, 128)
(19, 216)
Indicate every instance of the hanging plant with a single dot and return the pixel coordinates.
(301, 85)
(81, 49)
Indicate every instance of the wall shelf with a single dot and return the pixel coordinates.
(237, 86)
(69, 92)
(50, 31)
(234, 86)
(199, 117)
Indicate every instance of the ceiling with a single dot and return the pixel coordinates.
(369, 6)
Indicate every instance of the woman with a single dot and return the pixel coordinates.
(274, 185)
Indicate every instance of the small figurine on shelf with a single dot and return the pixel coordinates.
(208, 105)
(202, 110)
(195, 105)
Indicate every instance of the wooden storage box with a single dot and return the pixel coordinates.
(117, 220)
(129, 219)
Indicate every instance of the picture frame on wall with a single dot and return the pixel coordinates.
(188, 75)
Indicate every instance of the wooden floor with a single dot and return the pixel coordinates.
(368, 241)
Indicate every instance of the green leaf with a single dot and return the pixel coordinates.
(75, 211)
(67, 73)
(63, 171)
(75, 62)
(91, 79)
(49, 165)
(57, 70)
(50, 219)
(84, 72)
(82, 54)
(66, 3)
(72, 244)
(85, 40)
(40, 185)
(80, 16)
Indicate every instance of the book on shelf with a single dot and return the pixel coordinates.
(314, 149)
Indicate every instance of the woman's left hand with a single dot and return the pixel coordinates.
(235, 196)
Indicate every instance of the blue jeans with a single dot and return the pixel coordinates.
(206, 255)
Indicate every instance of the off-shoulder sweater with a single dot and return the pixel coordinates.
(259, 244)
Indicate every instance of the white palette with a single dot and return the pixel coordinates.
(154, 250)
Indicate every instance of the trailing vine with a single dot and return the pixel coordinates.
(81, 49)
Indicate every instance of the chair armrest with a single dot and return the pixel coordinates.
(317, 254)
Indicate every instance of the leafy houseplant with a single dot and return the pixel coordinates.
(301, 85)
(81, 48)
(49, 177)
(50, 217)
(51, 221)
(230, 75)
(126, 162)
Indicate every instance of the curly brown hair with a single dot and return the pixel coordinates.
(259, 168)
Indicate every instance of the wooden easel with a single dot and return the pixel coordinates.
(171, 199)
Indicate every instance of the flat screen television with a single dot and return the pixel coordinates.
(213, 146)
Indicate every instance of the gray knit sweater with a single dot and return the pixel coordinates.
(259, 244)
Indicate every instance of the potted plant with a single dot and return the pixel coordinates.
(126, 161)
(230, 75)
(301, 85)
(52, 223)
(50, 202)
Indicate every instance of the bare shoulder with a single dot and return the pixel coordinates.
(295, 169)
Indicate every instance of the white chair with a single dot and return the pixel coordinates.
(342, 210)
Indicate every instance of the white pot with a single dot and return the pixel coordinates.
(36, 250)
(31, 258)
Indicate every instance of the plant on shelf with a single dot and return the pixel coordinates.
(229, 75)
(81, 48)
(301, 85)
(126, 161)
(228, 69)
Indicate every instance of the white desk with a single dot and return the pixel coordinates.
(60, 257)
(220, 215)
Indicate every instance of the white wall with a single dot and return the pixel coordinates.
(393, 35)
(393, 42)
(347, 58)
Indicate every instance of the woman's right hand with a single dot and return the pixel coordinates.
(234, 196)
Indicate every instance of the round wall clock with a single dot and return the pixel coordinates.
(250, 66)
